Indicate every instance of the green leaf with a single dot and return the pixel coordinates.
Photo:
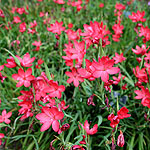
(47, 72)
(100, 119)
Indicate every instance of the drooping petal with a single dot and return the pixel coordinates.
(45, 126)
(55, 125)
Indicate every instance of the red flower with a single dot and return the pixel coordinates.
(64, 128)
(1, 136)
(119, 58)
(77, 147)
(48, 117)
(2, 78)
(70, 25)
(144, 94)
(139, 50)
(26, 109)
(89, 131)
(88, 71)
(114, 120)
(104, 67)
(16, 19)
(122, 113)
(117, 80)
(96, 31)
(73, 35)
(56, 27)
(141, 75)
(54, 89)
(83, 141)
(74, 77)
(26, 61)
(1, 67)
(145, 31)
(2, 14)
(33, 24)
(5, 116)
(59, 1)
(37, 44)
(120, 7)
(24, 77)
(135, 17)
(101, 5)
(62, 106)
(22, 27)
(10, 63)
(120, 140)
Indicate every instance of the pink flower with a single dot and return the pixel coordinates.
(37, 44)
(101, 5)
(74, 77)
(54, 89)
(22, 27)
(120, 140)
(2, 14)
(104, 67)
(10, 63)
(16, 19)
(26, 61)
(89, 131)
(1, 67)
(48, 117)
(33, 24)
(24, 77)
(56, 27)
(59, 1)
(135, 17)
(139, 50)
(5, 116)
(62, 106)
(117, 80)
(119, 58)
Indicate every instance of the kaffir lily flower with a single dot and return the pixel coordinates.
(120, 140)
(89, 131)
(143, 94)
(59, 1)
(77, 147)
(37, 44)
(1, 136)
(123, 113)
(1, 67)
(74, 77)
(140, 50)
(64, 128)
(24, 77)
(119, 58)
(56, 27)
(22, 27)
(4, 117)
(11, 63)
(16, 19)
(135, 17)
(114, 120)
(117, 80)
(104, 67)
(26, 61)
(48, 117)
